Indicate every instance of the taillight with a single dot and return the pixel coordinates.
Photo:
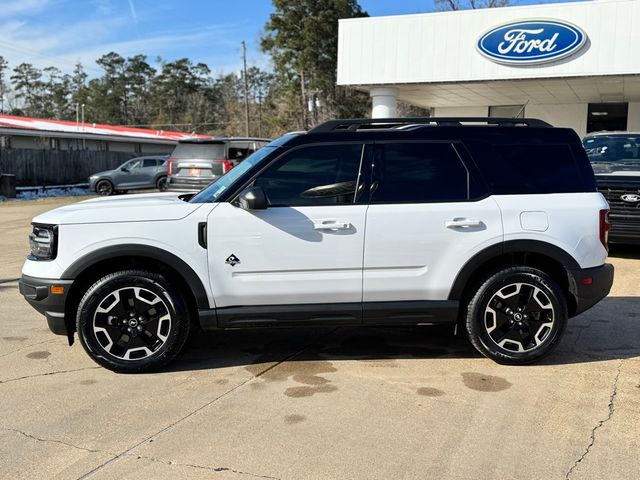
(226, 166)
(605, 227)
(170, 165)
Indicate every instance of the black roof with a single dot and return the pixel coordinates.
(498, 130)
(386, 123)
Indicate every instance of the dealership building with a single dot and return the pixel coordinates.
(572, 64)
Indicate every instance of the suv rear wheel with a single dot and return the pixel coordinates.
(517, 316)
(133, 321)
(162, 184)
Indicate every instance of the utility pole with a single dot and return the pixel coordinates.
(246, 89)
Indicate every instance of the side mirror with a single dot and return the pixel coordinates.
(125, 169)
(252, 198)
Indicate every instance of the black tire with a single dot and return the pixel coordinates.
(104, 188)
(162, 184)
(513, 324)
(146, 340)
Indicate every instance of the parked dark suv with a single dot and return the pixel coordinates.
(196, 162)
(615, 158)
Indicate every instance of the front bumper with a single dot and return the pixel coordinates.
(589, 292)
(37, 291)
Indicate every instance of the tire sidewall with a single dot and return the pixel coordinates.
(158, 285)
(476, 312)
(162, 184)
(98, 189)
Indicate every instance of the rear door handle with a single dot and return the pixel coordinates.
(331, 225)
(463, 222)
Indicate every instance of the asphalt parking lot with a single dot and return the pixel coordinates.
(343, 403)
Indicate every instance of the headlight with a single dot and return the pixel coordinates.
(43, 242)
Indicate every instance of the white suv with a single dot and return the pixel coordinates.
(494, 225)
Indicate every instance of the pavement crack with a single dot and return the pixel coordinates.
(149, 438)
(46, 374)
(52, 440)
(27, 346)
(8, 280)
(592, 439)
(202, 467)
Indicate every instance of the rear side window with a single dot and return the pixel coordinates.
(150, 162)
(527, 168)
(418, 173)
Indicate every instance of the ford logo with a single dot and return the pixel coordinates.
(630, 198)
(531, 41)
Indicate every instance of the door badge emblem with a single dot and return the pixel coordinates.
(232, 260)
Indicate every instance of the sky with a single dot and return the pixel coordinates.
(61, 32)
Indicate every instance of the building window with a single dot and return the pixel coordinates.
(607, 117)
(506, 111)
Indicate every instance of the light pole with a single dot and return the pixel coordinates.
(246, 89)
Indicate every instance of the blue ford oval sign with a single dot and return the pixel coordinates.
(531, 41)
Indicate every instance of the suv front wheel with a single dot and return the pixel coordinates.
(133, 321)
(517, 315)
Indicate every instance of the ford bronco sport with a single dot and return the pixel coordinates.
(493, 226)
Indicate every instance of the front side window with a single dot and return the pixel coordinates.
(133, 164)
(418, 173)
(316, 175)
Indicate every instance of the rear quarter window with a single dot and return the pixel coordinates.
(529, 168)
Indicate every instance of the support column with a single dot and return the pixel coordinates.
(384, 102)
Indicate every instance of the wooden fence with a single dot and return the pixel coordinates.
(57, 167)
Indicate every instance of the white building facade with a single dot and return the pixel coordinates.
(574, 65)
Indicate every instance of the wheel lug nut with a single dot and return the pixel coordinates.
(139, 328)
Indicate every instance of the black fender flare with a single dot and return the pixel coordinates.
(147, 252)
(510, 246)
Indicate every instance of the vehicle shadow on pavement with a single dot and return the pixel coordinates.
(607, 331)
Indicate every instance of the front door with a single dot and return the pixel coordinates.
(133, 176)
(300, 260)
(423, 224)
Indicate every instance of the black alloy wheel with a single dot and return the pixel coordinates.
(133, 321)
(104, 188)
(517, 315)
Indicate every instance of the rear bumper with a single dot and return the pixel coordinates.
(599, 287)
(188, 184)
(37, 291)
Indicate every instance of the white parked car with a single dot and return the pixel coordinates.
(495, 227)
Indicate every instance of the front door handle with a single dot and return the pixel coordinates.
(331, 225)
(463, 223)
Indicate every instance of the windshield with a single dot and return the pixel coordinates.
(215, 189)
(613, 153)
(613, 148)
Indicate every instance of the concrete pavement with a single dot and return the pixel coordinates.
(342, 403)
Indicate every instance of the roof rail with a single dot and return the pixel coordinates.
(356, 123)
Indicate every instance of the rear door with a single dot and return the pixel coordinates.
(426, 218)
(148, 172)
